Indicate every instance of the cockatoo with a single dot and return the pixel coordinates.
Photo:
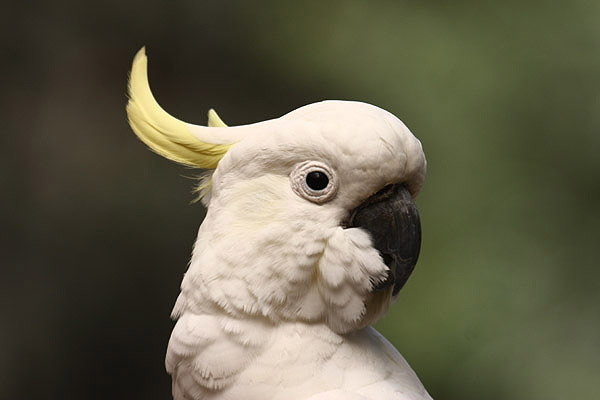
(311, 230)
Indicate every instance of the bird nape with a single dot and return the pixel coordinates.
(311, 231)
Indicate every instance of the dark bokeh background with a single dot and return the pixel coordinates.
(96, 231)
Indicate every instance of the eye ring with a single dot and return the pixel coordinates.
(314, 181)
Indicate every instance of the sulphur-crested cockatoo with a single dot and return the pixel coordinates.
(311, 230)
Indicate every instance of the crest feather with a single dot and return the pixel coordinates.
(163, 133)
(215, 120)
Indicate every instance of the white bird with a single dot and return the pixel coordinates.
(311, 230)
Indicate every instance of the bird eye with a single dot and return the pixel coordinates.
(314, 181)
(317, 180)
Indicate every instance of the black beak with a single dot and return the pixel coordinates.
(392, 219)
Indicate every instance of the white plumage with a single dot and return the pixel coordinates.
(279, 294)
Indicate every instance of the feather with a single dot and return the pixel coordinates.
(281, 289)
(164, 134)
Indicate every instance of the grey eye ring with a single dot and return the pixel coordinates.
(314, 181)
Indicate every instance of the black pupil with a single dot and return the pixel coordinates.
(317, 180)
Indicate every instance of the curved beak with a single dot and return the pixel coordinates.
(391, 218)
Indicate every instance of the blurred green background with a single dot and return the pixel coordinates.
(97, 230)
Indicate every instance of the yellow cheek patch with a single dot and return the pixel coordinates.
(258, 202)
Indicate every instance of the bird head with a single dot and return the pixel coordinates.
(310, 216)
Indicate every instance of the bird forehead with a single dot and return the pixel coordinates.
(358, 140)
(355, 117)
(354, 128)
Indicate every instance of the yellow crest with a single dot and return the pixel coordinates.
(191, 145)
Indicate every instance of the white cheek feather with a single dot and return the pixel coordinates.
(347, 270)
(236, 291)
